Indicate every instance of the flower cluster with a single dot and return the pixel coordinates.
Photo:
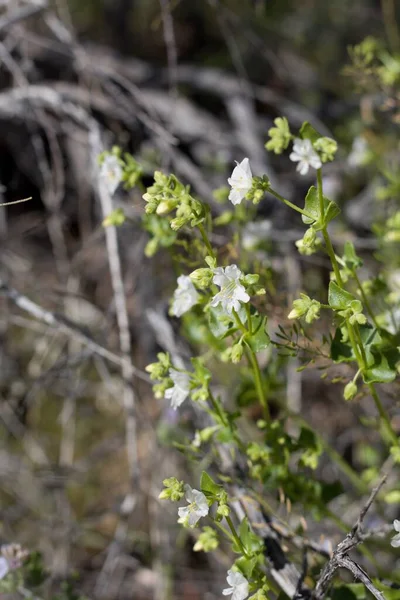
(168, 194)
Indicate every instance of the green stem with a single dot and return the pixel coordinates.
(332, 256)
(256, 369)
(239, 322)
(354, 345)
(206, 240)
(288, 203)
(236, 537)
(365, 298)
(249, 319)
(383, 415)
(258, 381)
(320, 192)
(217, 408)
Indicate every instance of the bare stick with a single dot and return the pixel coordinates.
(340, 558)
(64, 325)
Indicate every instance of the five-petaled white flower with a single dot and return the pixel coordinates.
(396, 540)
(111, 173)
(197, 508)
(305, 155)
(180, 390)
(241, 181)
(185, 296)
(232, 291)
(239, 586)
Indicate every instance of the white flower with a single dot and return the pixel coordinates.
(4, 567)
(241, 181)
(305, 155)
(197, 508)
(240, 586)
(396, 540)
(180, 390)
(111, 173)
(232, 291)
(185, 296)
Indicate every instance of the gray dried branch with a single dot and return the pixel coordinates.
(65, 325)
(340, 559)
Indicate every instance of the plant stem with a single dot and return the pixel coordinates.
(206, 240)
(288, 203)
(258, 381)
(216, 406)
(365, 298)
(236, 537)
(383, 415)
(256, 368)
(354, 334)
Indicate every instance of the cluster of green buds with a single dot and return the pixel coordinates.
(310, 243)
(168, 194)
(160, 371)
(305, 307)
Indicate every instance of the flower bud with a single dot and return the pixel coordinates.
(350, 390)
(237, 353)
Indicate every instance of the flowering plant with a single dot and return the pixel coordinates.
(223, 308)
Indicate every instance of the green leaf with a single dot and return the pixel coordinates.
(380, 371)
(331, 210)
(218, 322)
(260, 339)
(307, 132)
(246, 565)
(208, 485)
(351, 260)
(341, 351)
(338, 299)
(312, 207)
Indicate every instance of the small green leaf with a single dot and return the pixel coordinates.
(380, 371)
(260, 339)
(351, 260)
(246, 565)
(312, 207)
(208, 485)
(338, 298)
(218, 322)
(307, 132)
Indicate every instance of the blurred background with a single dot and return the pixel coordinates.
(189, 87)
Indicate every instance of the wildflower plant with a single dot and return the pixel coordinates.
(222, 308)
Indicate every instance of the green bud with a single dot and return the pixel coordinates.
(326, 147)
(309, 237)
(350, 391)
(258, 196)
(207, 541)
(280, 136)
(174, 490)
(223, 510)
(202, 278)
(250, 279)
(165, 207)
(115, 218)
(237, 353)
(178, 223)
